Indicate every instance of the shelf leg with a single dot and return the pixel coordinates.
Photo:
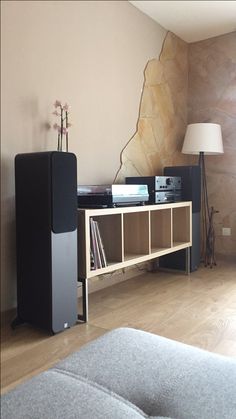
(84, 316)
(187, 253)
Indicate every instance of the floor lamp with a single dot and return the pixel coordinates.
(205, 139)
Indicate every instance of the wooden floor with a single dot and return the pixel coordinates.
(199, 309)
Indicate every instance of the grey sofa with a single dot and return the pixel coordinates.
(130, 374)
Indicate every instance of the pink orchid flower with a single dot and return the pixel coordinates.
(66, 107)
(57, 103)
(61, 111)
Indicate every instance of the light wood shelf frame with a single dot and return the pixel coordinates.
(132, 235)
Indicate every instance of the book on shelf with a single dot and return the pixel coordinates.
(95, 263)
(97, 252)
(100, 245)
(92, 244)
(92, 264)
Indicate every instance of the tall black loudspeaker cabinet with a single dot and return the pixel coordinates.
(46, 239)
(191, 191)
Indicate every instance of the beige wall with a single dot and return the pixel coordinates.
(212, 98)
(91, 54)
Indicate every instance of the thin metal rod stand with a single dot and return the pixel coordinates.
(17, 322)
(207, 225)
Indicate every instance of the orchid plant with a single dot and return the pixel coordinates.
(62, 111)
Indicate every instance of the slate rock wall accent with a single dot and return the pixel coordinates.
(162, 118)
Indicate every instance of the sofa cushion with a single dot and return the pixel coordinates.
(129, 373)
(160, 376)
(56, 395)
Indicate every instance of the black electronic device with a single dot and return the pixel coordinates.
(161, 197)
(161, 189)
(177, 260)
(98, 196)
(191, 183)
(191, 191)
(46, 239)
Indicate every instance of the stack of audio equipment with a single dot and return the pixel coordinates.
(161, 189)
(103, 196)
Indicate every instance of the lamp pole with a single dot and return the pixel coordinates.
(201, 139)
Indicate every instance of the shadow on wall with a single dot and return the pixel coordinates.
(8, 244)
(35, 125)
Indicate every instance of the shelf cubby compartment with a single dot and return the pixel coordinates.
(132, 235)
(110, 227)
(160, 230)
(136, 234)
(181, 226)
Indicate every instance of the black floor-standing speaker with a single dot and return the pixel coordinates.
(46, 239)
(191, 191)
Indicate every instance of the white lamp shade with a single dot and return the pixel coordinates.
(203, 137)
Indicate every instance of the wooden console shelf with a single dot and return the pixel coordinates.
(132, 235)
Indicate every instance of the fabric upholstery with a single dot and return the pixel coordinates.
(56, 395)
(129, 373)
(160, 376)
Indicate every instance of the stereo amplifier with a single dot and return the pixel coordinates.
(160, 188)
